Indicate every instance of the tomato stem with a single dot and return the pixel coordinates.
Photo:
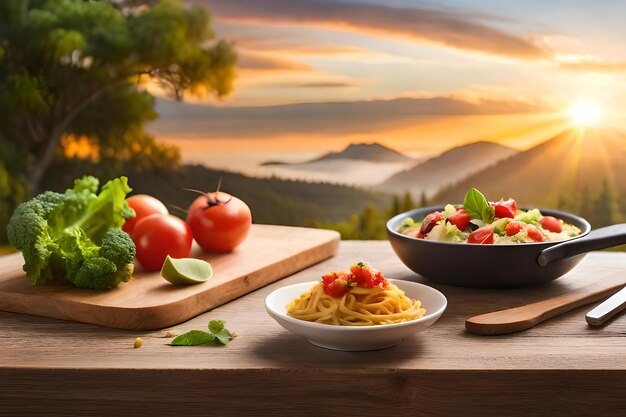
(175, 207)
(211, 200)
(196, 191)
(219, 184)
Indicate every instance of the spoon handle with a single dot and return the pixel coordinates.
(607, 309)
(527, 316)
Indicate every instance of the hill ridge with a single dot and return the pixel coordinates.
(449, 167)
(555, 172)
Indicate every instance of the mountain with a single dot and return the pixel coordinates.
(448, 168)
(363, 164)
(560, 170)
(371, 152)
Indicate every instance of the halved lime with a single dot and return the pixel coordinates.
(186, 271)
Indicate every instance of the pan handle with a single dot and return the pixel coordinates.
(602, 238)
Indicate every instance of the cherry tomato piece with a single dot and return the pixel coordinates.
(327, 279)
(552, 224)
(505, 208)
(144, 206)
(534, 233)
(460, 219)
(159, 235)
(363, 275)
(380, 280)
(513, 228)
(337, 288)
(482, 236)
(219, 221)
(429, 222)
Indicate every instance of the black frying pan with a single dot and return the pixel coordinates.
(498, 266)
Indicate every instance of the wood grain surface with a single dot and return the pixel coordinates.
(561, 367)
(147, 301)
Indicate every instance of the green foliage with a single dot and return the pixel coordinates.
(605, 212)
(75, 67)
(13, 190)
(600, 208)
(76, 235)
(371, 222)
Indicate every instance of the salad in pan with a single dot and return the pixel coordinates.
(478, 221)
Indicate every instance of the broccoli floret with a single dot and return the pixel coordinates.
(113, 263)
(29, 232)
(119, 248)
(71, 235)
(96, 274)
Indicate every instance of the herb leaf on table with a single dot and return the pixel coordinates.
(217, 335)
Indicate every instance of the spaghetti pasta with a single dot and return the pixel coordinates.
(365, 298)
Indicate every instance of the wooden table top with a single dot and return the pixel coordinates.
(559, 367)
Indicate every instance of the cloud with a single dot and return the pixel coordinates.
(313, 84)
(260, 62)
(589, 64)
(186, 120)
(452, 28)
(291, 47)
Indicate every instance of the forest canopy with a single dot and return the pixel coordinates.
(74, 78)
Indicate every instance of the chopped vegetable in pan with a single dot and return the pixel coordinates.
(479, 221)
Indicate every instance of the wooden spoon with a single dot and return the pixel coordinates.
(524, 317)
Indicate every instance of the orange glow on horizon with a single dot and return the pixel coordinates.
(427, 135)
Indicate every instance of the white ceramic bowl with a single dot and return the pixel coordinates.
(355, 338)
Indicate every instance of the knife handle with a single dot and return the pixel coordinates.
(607, 309)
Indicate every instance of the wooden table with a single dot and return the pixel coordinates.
(561, 367)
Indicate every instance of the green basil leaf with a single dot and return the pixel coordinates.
(475, 204)
(216, 326)
(224, 336)
(488, 214)
(193, 338)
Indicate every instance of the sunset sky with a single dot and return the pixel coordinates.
(533, 58)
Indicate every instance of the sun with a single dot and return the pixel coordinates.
(585, 113)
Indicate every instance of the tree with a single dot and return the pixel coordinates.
(605, 206)
(74, 67)
(407, 202)
(423, 200)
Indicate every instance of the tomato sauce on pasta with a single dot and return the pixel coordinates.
(361, 297)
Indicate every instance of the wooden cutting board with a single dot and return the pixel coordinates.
(149, 302)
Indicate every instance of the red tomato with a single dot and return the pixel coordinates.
(513, 228)
(160, 235)
(363, 278)
(337, 288)
(460, 219)
(429, 222)
(552, 224)
(363, 275)
(327, 279)
(219, 221)
(482, 236)
(505, 208)
(144, 206)
(380, 280)
(534, 233)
